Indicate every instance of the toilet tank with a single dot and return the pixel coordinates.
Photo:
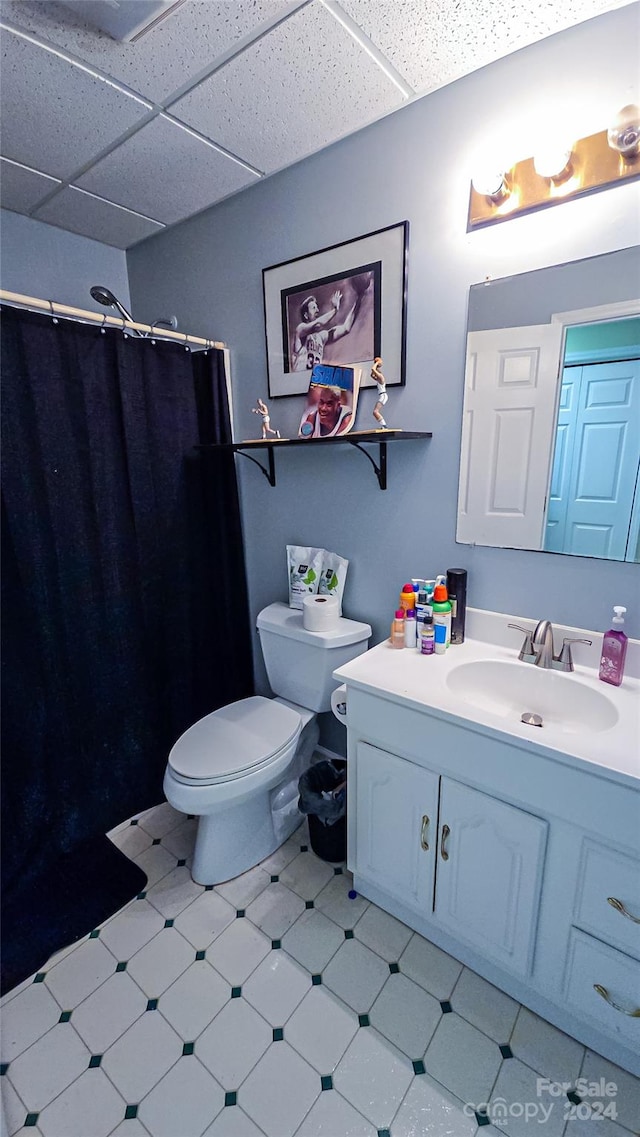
(300, 663)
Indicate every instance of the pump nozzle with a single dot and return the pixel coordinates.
(619, 614)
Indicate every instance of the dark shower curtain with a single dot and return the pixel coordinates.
(123, 586)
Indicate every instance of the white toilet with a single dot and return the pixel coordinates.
(237, 769)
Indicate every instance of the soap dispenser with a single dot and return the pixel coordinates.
(614, 650)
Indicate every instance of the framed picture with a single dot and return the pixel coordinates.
(343, 305)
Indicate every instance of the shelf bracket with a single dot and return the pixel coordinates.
(270, 473)
(381, 469)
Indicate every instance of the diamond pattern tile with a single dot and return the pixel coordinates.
(484, 1006)
(321, 1028)
(276, 987)
(160, 962)
(194, 1000)
(406, 1015)
(350, 1025)
(78, 974)
(233, 1043)
(275, 910)
(280, 1090)
(108, 1012)
(185, 1101)
(43, 1071)
(137, 1061)
(313, 939)
(204, 919)
(373, 1076)
(89, 1105)
(356, 975)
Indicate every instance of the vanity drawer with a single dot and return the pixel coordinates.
(592, 964)
(608, 898)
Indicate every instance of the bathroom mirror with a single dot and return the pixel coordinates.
(550, 453)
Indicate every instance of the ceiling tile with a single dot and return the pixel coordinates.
(56, 117)
(23, 188)
(433, 42)
(167, 57)
(135, 173)
(306, 84)
(81, 213)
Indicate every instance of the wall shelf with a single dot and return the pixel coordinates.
(360, 439)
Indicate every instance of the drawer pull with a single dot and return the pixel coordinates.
(423, 832)
(619, 907)
(445, 833)
(604, 994)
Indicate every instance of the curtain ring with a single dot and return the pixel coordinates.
(102, 325)
(53, 315)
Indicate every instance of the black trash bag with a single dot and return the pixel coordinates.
(323, 792)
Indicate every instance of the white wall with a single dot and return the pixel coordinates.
(414, 164)
(42, 260)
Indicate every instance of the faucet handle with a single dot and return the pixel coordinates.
(527, 646)
(565, 659)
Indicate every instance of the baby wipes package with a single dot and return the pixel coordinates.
(305, 569)
(334, 575)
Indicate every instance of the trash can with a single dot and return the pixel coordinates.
(323, 797)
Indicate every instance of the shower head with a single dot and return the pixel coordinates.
(105, 297)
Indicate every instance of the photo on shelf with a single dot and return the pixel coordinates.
(332, 399)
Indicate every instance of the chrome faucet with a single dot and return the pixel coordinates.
(542, 640)
(537, 647)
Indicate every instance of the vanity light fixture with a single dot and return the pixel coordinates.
(560, 171)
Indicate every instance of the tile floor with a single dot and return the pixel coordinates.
(277, 1006)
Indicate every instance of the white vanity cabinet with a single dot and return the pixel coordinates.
(454, 854)
(522, 865)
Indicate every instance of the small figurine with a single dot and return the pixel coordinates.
(381, 384)
(263, 410)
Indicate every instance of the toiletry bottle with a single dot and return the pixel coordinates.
(410, 627)
(397, 629)
(407, 597)
(457, 589)
(442, 611)
(427, 639)
(614, 650)
(440, 637)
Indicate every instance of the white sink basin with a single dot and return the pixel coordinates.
(511, 689)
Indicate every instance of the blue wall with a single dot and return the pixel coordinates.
(42, 260)
(414, 164)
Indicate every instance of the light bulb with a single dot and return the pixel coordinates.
(624, 133)
(553, 160)
(490, 183)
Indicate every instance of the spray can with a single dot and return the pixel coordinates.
(442, 613)
(457, 589)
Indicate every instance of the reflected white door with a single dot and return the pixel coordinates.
(596, 460)
(508, 433)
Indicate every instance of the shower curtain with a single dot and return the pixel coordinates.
(123, 585)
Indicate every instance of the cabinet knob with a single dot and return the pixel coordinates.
(423, 832)
(619, 907)
(445, 833)
(604, 994)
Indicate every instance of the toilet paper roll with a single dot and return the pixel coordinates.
(339, 702)
(320, 613)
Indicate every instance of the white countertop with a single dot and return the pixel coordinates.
(406, 677)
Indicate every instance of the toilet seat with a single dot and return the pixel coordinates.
(234, 741)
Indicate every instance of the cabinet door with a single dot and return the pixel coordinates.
(396, 825)
(489, 872)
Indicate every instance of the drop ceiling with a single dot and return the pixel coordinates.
(118, 140)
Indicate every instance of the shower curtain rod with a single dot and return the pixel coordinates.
(53, 308)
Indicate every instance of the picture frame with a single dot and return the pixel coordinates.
(343, 305)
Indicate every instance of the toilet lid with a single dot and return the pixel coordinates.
(234, 739)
